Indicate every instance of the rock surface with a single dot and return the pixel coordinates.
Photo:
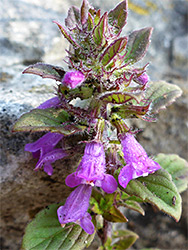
(28, 36)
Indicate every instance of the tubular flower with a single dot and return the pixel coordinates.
(73, 79)
(75, 209)
(137, 162)
(44, 150)
(92, 169)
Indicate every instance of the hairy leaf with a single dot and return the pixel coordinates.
(161, 94)
(46, 71)
(118, 16)
(67, 35)
(126, 239)
(84, 11)
(112, 50)
(177, 167)
(46, 233)
(159, 190)
(138, 42)
(99, 30)
(73, 17)
(54, 120)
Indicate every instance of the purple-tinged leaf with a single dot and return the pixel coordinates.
(73, 17)
(138, 42)
(67, 35)
(54, 120)
(99, 30)
(119, 97)
(130, 111)
(118, 16)
(97, 16)
(84, 11)
(45, 71)
(90, 22)
(161, 94)
(112, 50)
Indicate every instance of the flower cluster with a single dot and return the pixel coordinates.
(103, 79)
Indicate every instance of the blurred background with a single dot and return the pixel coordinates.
(29, 36)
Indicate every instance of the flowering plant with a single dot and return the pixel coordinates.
(101, 90)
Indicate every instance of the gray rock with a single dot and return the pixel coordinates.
(28, 36)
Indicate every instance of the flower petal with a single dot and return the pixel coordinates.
(46, 142)
(50, 157)
(109, 184)
(51, 103)
(87, 224)
(76, 205)
(72, 180)
(126, 174)
(48, 168)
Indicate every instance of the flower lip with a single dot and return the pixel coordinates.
(75, 209)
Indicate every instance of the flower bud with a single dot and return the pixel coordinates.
(73, 79)
(142, 79)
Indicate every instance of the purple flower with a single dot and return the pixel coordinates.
(92, 169)
(75, 209)
(51, 103)
(44, 149)
(73, 79)
(137, 162)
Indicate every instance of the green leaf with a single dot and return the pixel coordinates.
(112, 50)
(99, 30)
(106, 206)
(138, 42)
(161, 94)
(46, 233)
(134, 206)
(46, 71)
(159, 190)
(177, 167)
(118, 16)
(126, 239)
(113, 214)
(54, 120)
